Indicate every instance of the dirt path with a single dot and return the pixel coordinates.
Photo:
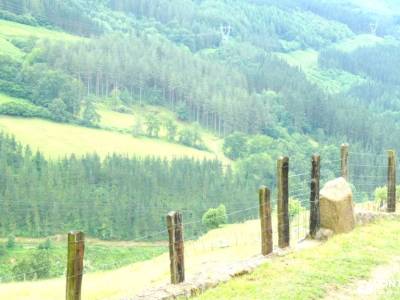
(367, 289)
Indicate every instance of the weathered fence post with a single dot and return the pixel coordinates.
(176, 250)
(391, 186)
(314, 196)
(266, 222)
(344, 161)
(283, 202)
(76, 249)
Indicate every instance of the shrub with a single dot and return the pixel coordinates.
(23, 19)
(295, 208)
(380, 195)
(24, 110)
(3, 250)
(191, 137)
(13, 89)
(46, 245)
(235, 145)
(215, 217)
(36, 266)
(11, 242)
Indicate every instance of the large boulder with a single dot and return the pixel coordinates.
(336, 206)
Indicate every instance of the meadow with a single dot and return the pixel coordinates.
(57, 140)
(311, 274)
(11, 29)
(33, 259)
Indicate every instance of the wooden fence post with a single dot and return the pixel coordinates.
(314, 196)
(344, 161)
(76, 249)
(266, 222)
(283, 202)
(391, 186)
(176, 250)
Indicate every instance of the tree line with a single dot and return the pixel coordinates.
(115, 198)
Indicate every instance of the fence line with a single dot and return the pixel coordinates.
(304, 222)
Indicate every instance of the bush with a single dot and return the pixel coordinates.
(295, 208)
(11, 242)
(24, 110)
(235, 145)
(13, 89)
(380, 195)
(36, 266)
(3, 250)
(23, 19)
(46, 245)
(215, 217)
(191, 137)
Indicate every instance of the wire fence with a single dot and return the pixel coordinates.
(205, 250)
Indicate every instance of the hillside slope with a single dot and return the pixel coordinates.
(305, 274)
(219, 72)
(56, 140)
(313, 273)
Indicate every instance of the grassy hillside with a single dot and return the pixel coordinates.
(7, 99)
(209, 251)
(124, 122)
(56, 140)
(9, 49)
(310, 274)
(306, 274)
(332, 81)
(11, 30)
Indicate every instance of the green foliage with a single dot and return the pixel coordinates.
(23, 19)
(58, 109)
(257, 167)
(37, 265)
(304, 274)
(46, 245)
(191, 137)
(24, 110)
(380, 195)
(260, 144)
(28, 262)
(153, 125)
(235, 145)
(295, 208)
(90, 116)
(3, 250)
(137, 129)
(215, 217)
(96, 184)
(172, 128)
(182, 111)
(11, 243)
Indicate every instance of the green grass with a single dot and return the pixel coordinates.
(308, 274)
(392, 291)
(124, 122)
(98, 256)
(8, 99)
(301, 58)
(332, 81)
(362, 40)
(9, 49)
(57, 140)
(12, 29)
